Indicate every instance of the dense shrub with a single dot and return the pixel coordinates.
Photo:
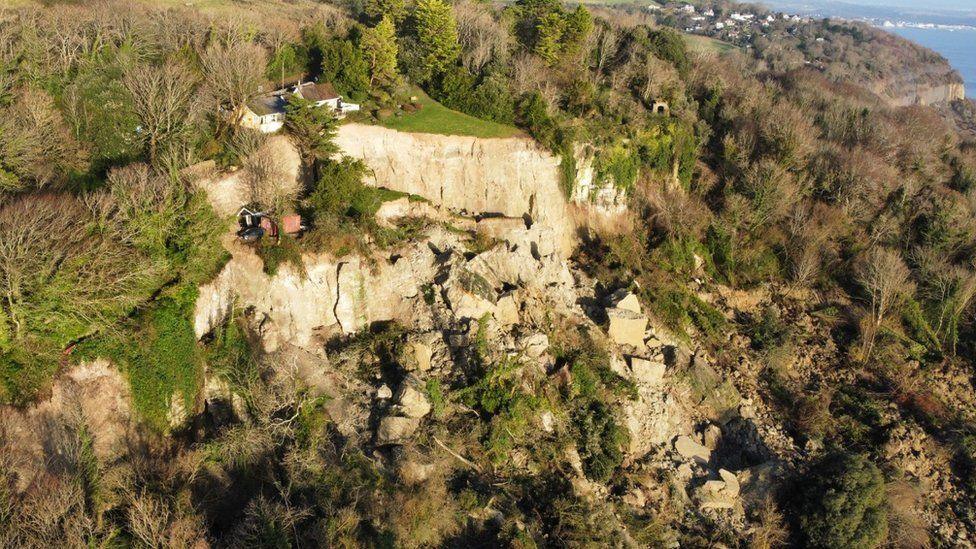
(841, 503)
(601, 440)
(340, 192)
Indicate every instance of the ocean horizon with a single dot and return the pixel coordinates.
(956, 45)
(944, 28)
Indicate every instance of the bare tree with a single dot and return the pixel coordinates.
(885, 279)
(234, 72)
(804, 246)
(163, 99)
(149, 518)
(482, 37)
(267, 181)
(607, 42)
(36, 146)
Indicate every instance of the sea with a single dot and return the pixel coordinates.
(946, 26)
(958, 45)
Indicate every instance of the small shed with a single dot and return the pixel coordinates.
(292, 224)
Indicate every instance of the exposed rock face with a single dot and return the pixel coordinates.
(325, 293)
(93, 394)
(511, 176)
(227, 192)
(931, 95)
(329, 295)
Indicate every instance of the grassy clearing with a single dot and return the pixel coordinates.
(436, 118)
(704, 44)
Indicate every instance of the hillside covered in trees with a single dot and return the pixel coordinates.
(760, 332)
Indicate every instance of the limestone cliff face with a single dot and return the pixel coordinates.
(511, 176)
(325, 295)
(931, 95)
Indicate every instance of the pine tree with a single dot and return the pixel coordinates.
(313, 129)
(378, 9)
(438, 36)
(549, 34)
(380, 49)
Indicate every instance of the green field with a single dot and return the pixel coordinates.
(705, 44)
(436, 118)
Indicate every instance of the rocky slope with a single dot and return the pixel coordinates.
(685, 420)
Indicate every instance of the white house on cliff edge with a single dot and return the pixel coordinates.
(266, 113)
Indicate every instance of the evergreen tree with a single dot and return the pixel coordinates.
(843, 504)
(396, 10)
(380, 49)
(544, 27)
(438, 36)
(345, 67)
(576, 27)
(313, 129)
(549, 35)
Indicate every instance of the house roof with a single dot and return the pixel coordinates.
(267, 104)
(322, 91)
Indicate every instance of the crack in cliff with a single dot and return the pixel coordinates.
(335, 306)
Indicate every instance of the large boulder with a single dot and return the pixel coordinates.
(535, 345)
(500, 266)
(716, 396)
(625, 299)
(647, 372)
(688, 448)
(719, 494)
(419, 352)
(411, 402)
(395, 430)
(506, 311)
(626, 327)
(469, 295)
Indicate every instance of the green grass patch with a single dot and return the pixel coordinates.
(705, 44)
(274, 254)
(433, 117)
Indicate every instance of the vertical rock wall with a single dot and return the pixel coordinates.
(508, 176)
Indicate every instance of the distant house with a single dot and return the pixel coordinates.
(266, 113)
(324, 95)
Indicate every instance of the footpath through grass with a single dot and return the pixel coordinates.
(433, 117)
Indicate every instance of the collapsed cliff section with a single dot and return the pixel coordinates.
(928, 94)
(512, 177)
(494, 297)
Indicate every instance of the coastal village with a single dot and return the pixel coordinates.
(736, 26)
